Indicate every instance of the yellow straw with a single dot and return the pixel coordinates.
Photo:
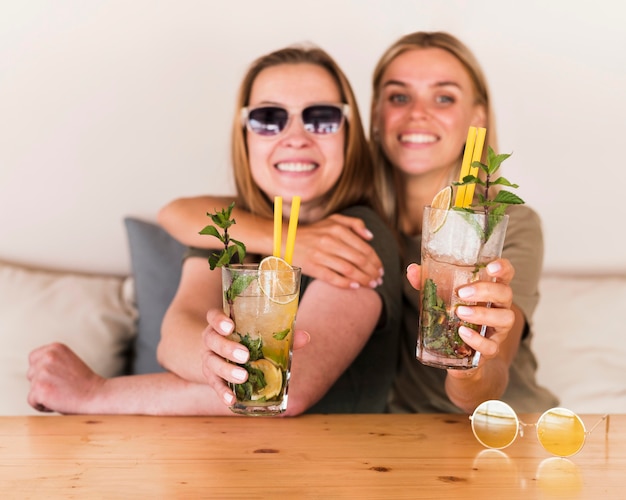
(291, 232)
(476, 156)
(465, 165)
(278, 224)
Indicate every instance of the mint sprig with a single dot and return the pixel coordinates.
(494, 208)
(503, 198)
(222, 220)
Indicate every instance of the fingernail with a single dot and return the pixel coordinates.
(373, 284)
(464, 311)
(466, 292)
(226, 327)
(494, 267)
(369, 234)
(381, 272)
(240, 355)
(354, 285)
(229, 399)
(410, 266)
(380, 281)
(465, 332)
(239, 374)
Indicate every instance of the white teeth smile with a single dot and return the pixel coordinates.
(296, 167)
(418, 138)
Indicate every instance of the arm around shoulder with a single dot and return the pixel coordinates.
(184, 218)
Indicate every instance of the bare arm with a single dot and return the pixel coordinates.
(62, 382)
(338, 322)
(183, 218)
(334, 249)
(468, 388)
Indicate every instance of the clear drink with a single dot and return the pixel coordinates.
(440, 343)
(454, 253)
(263, 305)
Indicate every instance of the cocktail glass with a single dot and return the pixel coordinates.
(263, 306)
(456, 247)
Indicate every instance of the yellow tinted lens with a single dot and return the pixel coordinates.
(495, 424)
(561, 432)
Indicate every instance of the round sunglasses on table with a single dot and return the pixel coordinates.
(318, 119)
(560, 431)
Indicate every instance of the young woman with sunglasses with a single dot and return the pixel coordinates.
(297, 132)
(428, 88)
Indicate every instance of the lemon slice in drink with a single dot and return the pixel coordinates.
(273, 379)
(442, 202)
(279, 286)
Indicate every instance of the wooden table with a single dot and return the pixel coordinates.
(318, 456)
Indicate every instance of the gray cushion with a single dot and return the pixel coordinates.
(156, 260)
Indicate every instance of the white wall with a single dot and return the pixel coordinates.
(109, 108)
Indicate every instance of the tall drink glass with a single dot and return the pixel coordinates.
(456, 247)
(263, 306)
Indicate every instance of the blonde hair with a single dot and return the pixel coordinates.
(356, 182)
(388, 180)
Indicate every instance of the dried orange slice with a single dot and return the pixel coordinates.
(441, 202)
(279, 286)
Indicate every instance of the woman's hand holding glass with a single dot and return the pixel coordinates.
(221, 358)
(499, 317)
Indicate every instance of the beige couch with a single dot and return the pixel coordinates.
(93, 314)
(579, 331)
(580, 341)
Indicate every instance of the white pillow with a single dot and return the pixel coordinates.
(579, 341)
(92, 314)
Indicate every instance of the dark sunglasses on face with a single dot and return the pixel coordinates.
(319, 119)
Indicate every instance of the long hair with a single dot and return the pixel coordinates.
(356, 182)
(388, 179)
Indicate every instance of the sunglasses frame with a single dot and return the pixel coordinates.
(342, 107)
(520, 424)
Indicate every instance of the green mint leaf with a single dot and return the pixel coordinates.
(508, 198)
(241, 249)
(222, 219)
(254, 346)
(469, 179)
(504, 182)
(256, 378)
(228, 254)
(256, 382)
(213, 260)
(282, 334)
(220, 259)
(239, 284)
(493, 219)
(494, 160)
(481, 166)
(497, 213)
(212, 231)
